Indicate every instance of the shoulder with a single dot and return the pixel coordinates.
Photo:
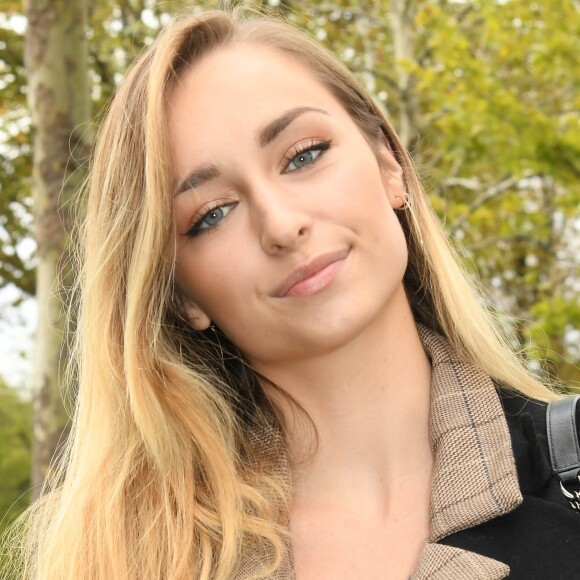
(540, 538)
(526, 421)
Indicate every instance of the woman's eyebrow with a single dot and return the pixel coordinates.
(197, 177)
(265, 136)
(275, 127)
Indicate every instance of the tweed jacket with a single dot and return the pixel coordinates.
(489, 518)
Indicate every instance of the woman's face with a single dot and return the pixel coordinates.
(286, 234)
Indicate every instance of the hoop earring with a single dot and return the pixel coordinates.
(407, 206)
(216, 338)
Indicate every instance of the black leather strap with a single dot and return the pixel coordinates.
(563, 439)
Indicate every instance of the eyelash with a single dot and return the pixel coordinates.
(301, 149)
(196, 229)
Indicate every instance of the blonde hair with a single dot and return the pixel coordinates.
(172, 468)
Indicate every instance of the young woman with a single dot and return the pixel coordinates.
(283, 371)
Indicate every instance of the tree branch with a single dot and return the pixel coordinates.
(488, 192)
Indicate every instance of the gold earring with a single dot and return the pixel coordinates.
(408, 207)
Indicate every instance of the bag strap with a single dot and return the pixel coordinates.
(564, 446)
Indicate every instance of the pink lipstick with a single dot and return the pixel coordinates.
(312, 276)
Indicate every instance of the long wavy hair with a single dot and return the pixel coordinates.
(173, 468)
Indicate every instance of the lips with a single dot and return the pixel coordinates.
(311, 276)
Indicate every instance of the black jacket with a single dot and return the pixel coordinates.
(539, 540)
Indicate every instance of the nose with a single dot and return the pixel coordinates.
(282, 220)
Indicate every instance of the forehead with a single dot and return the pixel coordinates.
(244, 84)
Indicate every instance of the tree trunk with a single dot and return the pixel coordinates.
(368, 56)
(59, 100)
(401, 23)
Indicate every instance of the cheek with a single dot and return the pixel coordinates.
(363, 200)
(342, 191)
(209, 279)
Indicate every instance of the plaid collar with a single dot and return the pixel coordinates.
(475, 478)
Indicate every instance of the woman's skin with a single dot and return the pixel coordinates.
(287, 240)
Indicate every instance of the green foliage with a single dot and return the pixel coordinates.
(498, 86)
(15, 161)
(15, 442)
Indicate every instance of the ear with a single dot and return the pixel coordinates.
(392, 175)
(198, 319)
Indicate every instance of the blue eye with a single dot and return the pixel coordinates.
(211, 219)
(307, 156)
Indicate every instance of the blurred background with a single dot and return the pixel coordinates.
(485, 94)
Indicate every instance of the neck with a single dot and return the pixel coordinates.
(369, 402)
